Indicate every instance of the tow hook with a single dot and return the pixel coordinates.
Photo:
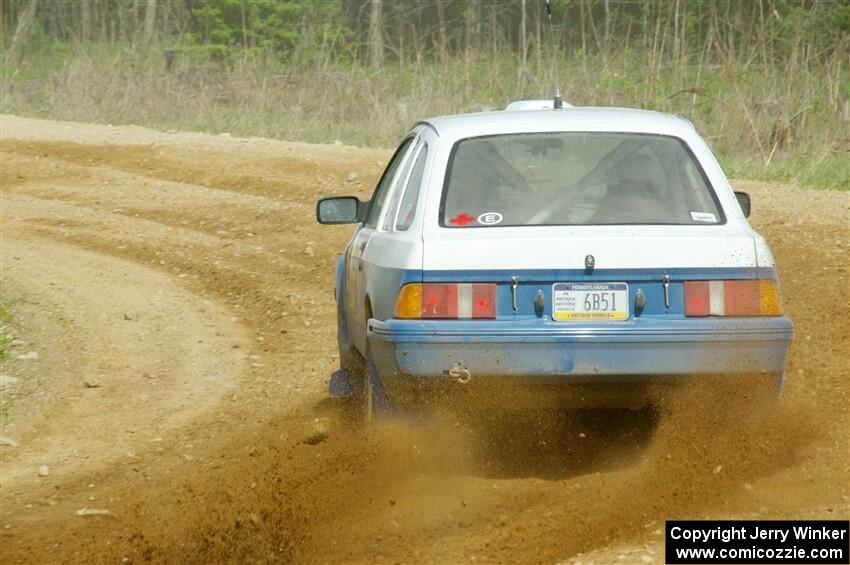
(460, 374)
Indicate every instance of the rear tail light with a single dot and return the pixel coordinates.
(732, 298)
(446, 301)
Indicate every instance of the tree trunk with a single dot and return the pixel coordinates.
(523, 36)
(104, 29)
(676, 33)
(22, 34)
(85, 21)
(538, 36)
(581, 28)
(150, 21)
(493, 32)
(376, 34)
(443, 47)
(166, 14)
(469, 18)
(592, 23)
(608, 24)
(478, 15)
(5, 15)
(523, 48)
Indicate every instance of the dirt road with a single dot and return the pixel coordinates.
(178, 297)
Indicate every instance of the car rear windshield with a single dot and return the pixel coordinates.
(570, 178)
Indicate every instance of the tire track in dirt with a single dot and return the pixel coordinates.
(231, 221)
(130, 339)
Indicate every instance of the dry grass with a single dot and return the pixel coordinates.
(773, 124)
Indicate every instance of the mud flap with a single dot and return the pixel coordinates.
(345, 384)
(348, 384)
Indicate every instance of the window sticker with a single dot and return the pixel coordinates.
(490, 218)
(461, 220)
(703, 217)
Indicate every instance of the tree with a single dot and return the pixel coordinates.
(85, 21)
(22, 34)
(376, 34)
(150, 20)
(443, 44)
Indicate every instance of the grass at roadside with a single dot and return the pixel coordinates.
(788, 124)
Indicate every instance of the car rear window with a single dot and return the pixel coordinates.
(574, 178)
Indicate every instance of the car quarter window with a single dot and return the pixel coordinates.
(407, 211)
(386, 182)
(398, 186)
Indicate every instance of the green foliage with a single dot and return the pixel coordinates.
(298, 29)
(44, 55)
(828, 169)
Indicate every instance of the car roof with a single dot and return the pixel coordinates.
(566, 119)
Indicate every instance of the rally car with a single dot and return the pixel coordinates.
(589, 251)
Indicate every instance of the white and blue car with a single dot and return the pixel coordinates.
(589, 251)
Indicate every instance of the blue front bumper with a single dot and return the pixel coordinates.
(581, 353)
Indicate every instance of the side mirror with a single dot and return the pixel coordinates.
(340, 210)
(744, 202)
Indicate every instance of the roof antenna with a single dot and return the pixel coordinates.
(558, 103)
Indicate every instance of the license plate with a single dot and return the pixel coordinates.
(582, 302)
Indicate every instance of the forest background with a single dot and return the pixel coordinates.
(764, 81)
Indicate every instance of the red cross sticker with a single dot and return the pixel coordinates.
(461, 220)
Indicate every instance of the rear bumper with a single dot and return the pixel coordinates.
(588, 353)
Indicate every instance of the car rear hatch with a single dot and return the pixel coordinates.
(540, 271)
